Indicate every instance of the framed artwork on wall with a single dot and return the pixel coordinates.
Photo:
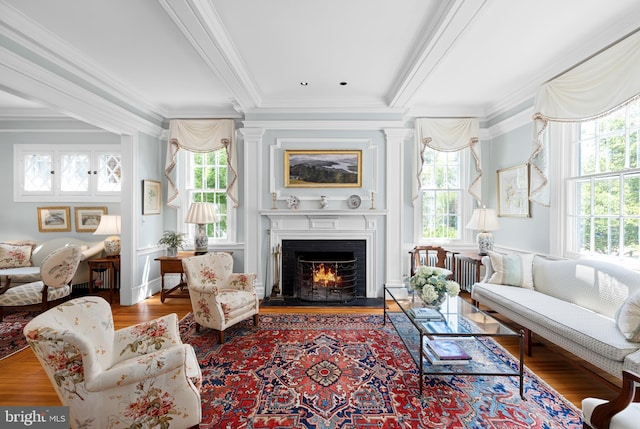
(88, 218)
(54, 219)
(513, 191)
(151, 197)
(323, 168)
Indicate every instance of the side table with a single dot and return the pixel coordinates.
(173, 265)
(109, 264)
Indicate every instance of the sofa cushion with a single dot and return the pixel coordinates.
(628, 318)
(579, 325)
(15, 256)
(512, 270)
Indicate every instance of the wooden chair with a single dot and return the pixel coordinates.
(623, 412)
(425, 255)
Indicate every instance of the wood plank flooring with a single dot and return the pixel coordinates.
(23, 381)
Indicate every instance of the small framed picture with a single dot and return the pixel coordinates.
(151, 197)
(88, 218)
(513, 191)
(54, 219)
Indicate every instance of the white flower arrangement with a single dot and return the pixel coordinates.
(433, 285)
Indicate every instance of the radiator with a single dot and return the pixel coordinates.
(466, 274)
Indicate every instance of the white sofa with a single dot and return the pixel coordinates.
(589, 307)
(89, 249)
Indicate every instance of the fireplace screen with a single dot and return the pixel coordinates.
(327, 280)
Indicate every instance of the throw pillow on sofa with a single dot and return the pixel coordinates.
(512, 270)
(15, 256)
(628, 318)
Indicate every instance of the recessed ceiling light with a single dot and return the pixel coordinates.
(343, 83)
(303, 83)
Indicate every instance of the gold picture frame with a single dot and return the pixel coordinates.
(54, 219)
(151, 197)
(323, 168)
(88, 218)
(513, 191)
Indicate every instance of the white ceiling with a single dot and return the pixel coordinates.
(206, 58)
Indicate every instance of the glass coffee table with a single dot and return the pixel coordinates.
(455, 340)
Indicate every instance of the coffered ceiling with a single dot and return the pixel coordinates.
(163, 59)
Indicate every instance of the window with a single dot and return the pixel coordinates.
(70, 172)
(603, 185)
(442, 195)
(206, 176)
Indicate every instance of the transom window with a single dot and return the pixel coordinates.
(603, 187)
(442, 192)
(206, 180)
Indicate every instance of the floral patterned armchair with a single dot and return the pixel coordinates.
(141, 376)
(220, 298)
(56, 271)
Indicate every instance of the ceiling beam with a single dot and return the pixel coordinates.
(203, 28)
(439, 38)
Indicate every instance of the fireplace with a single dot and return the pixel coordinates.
(324, 270)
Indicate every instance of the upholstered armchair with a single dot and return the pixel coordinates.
(219, 297)
(623, 412)
(141, 376)
(56, 271)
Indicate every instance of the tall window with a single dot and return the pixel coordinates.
(206, 180)
(442, 191)
(603, 211)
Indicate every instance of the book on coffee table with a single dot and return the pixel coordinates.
(431, 356)
(446, 350)
(426, 313)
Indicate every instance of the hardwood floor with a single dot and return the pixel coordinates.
(23, 381)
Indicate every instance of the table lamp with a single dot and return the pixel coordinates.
(485, 221)
(201, 214)
(110, 225)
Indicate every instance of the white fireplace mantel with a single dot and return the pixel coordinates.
(331, 225)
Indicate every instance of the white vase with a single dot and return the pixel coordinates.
(172, 252)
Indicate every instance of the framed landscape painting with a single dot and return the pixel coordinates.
(88, 218)
(54, 219)
(323, 168)
(513, 191)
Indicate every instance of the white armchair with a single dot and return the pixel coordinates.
(220, 298)
(141, 376)
(56, 271)
(623, 412)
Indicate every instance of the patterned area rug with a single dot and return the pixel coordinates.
(350, 371)
(11, 337)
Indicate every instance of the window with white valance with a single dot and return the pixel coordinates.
(592, 89)
(446, 147)
(201, 136)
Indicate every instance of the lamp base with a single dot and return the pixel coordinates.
(201, 242)
(112, 246)
(485, 243)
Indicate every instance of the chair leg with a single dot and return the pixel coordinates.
(255, 319)
(220, 337)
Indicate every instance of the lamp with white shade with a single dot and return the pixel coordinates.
(110, 225)
(484, 220)
(201, 214)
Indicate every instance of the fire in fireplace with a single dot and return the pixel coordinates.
(327, 280)
(344, 259)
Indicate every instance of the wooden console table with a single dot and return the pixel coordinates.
(109, 264)
(173, 265)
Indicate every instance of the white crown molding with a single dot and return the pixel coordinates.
(511, 123)
(203, 28)
(324, 125)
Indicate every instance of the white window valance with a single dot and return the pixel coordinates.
(594, 88)
(450, 135)
(201, 135)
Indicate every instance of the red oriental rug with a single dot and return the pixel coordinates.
(351, 371)
(12, 339)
